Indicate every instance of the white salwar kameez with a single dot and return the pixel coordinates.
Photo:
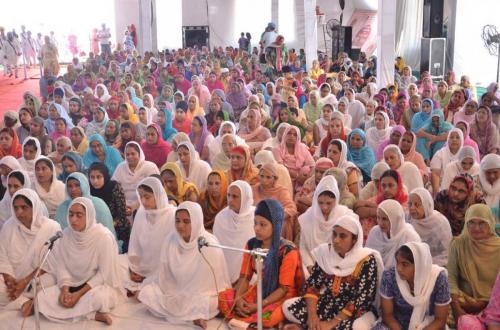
(150, 228)
(235, 229)
(409, 172)
(87, 257)
(56, 194)
(129, 179)
(315, 229)
(184, 288)
(21, 248)
(401, 233)
(5, 203)
(198, 169)
(29, 165)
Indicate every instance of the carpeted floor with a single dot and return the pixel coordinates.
(12, 90)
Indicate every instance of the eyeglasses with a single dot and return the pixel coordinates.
(481, 224)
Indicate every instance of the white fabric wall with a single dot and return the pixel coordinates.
(409, 31)
(310, 32)
(385, 42)
(126, 13)
(471, 57)
(169, 24)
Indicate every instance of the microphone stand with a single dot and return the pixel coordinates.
(34, 283)
(259, 255)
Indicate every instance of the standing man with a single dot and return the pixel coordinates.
(268, 37)
(28, 46)
(3, 42)
(104, 37)
(11, 54)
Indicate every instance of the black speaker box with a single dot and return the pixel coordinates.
(433, 19)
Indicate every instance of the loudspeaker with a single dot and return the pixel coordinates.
(433, 19)
(433, 56)
(341, 40)
(195, 36)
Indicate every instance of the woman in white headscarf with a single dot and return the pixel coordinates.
(153, 221)
(379, 133)
(184, 288)
(8, 164)
(415, 295)
(355, 108)
(342, 288)
(16, 180)
(85, 265)
(409, 172)
(466, 163)
(234, 225)
(432, 226)
(447, 154)
(50, 190)
(131, 171)
(215, 146)
(193, 169)
(21, 243)
(102, 93)
(275, 141)
(488, 182)
(391, 231)
(317, 222)
(31, 152)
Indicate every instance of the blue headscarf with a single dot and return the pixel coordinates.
(133, 97)
(443, 127)
(273, 211)
(113, 157)
(103, 215)
(363, 158)
(421, 118)
(167, 131)
(50, 124)
(264, 92)
(77, 159)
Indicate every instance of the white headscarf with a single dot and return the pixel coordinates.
(184, 286)
(198, 169)
(150, 229)
(57, 191)
(424, 281)
(215, 146)
(29, 165)
(492, 191)
(5, 203)
(12, 163)
(374, 136)
(409, 172)
(128, 178)
(20, 247)
(401, 232)
(434, 229)
(445, 155)
(333, 264)
(455, 168)
(357, 111)
(273, 142)
(315, 229)
(79, 256)
(235, 229)
(105, 96)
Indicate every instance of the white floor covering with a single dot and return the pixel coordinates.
(131, 315)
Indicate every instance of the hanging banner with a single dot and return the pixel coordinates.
(364, 30)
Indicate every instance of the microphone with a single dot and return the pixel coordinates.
(54, 238)
(201, 242)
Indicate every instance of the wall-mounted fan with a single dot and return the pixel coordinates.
(491, 39)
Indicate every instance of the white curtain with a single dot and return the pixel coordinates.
(386, 24)
(311, 32)
(409, 22)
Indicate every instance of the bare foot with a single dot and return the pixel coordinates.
(27, 308)
(292, 327)
(201, 323)
(103, 317)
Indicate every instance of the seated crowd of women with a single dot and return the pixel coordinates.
(378, 208)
